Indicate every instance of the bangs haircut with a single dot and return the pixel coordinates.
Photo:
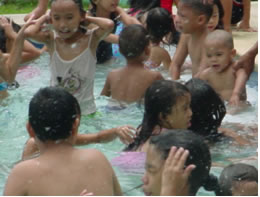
(133, 40)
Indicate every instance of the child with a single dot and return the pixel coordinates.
(238, 180)
(9, 64)
(158, 24)
(60, 169)
(109, 9)
(128, 84)
(220, 75)
(72, 48)
(8, 33)
(192, 18)
(186, 169)
(216, 20)
(166, 106)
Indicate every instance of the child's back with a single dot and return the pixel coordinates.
(159, 23)
(129, 84)
(60, 168)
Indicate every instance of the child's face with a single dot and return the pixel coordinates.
(214, 19)
(66, 18)
(153, 172)
(185, 20)
(245, 188)
(108, 5)
(180, 116)
(218, 55)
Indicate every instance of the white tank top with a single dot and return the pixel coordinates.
(76, 76)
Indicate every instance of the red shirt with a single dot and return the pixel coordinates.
(167, 4)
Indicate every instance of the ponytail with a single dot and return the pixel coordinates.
(211, 184)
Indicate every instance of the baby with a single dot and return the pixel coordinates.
(230, 84)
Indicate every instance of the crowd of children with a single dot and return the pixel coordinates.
(177, 160)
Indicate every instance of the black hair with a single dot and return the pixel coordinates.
(235, 173)
(208, 109)
(143, 5)
(159, 98)
(52, 112)
(220, 24)
(159, 23)
(200, 6)
(93, 11)
(3, 38)
(79, 3)
(199, 155)
(133, 40)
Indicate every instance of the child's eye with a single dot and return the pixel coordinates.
(219, 54)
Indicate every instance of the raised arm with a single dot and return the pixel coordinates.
(126, 18)
(12, 63)
(179, 57)
(39, 10)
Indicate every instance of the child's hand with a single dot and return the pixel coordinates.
(86, 193)
(234, 100)
(7, 26)
(126, 134)
(175, 176)
(21, 32)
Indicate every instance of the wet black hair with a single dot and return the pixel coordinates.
(93, 11)
(79, 3)
(3, 38)
(133, 40)
(208, 109)
(204, 7)
(159, 98)
(52, 112)
(235, 173)
(159, 23)
(199, 155)
(220, 24)
(143, 5)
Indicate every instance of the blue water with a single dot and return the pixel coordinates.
(13, 117)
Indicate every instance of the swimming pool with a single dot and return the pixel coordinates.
(13, 117)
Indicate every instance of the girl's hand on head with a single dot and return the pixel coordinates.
(7, 26)
(175, 175)
(126, 134)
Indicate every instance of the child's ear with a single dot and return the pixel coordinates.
(30, 130)
(233, 53)
(75, 126)
(202, 19)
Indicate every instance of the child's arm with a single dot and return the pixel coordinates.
(125, 134)
(39, 10)
(179, 57)
(240, 85)
(37, 31)
(107, 89)
(125, 18)
(166, 60)
(112, 38)
(14, 59)
(105, 26)
(231, 133)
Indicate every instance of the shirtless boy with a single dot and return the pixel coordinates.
(60, 169)
(191, 20)
(128, 84)
(227, 82)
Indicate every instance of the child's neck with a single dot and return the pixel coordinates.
(137, 62)
(102, 13)
(75, 37)
(200, 32)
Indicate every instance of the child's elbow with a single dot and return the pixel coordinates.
(110, 25)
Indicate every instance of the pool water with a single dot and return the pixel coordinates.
(13, 117)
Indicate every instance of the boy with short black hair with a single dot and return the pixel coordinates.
(60, 169)
(191, 20)
(128, 84)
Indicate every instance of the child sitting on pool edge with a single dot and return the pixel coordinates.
(128, 84)
(230, 84)
(78, 169)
